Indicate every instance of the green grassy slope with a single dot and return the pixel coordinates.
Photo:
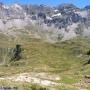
(64, 58)
(68, 56)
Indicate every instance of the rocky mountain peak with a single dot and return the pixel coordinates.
(87, 7)
(65, 19)
(69, 7)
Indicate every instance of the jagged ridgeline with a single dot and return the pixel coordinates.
(62, 22)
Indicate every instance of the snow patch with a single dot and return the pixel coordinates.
(57, 15)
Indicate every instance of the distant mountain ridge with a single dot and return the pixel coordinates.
(62, 22)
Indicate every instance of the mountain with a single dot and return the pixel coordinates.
(46, 46)
(87, 7)
(62, 22)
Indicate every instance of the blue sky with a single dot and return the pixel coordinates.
(79, 3)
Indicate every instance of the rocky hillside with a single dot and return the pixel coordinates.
(62, 22)
(26, 57)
